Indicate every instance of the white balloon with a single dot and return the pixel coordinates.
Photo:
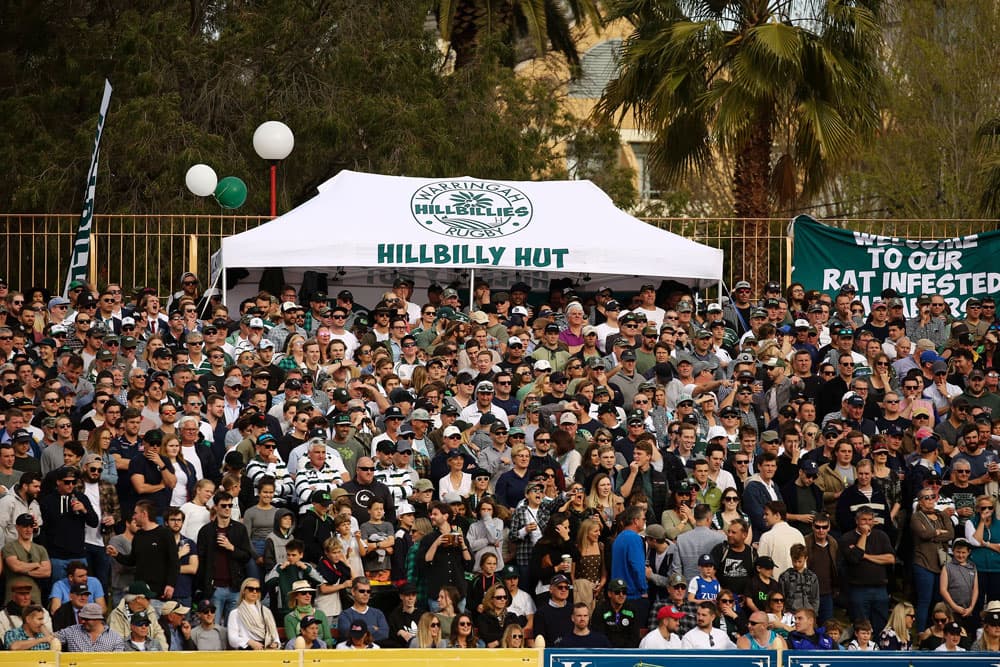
(201, 180)
(273, 140)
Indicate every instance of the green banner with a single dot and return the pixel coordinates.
(80, 259)
(825, 258)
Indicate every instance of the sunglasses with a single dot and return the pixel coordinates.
(252, 589)
(366, 468)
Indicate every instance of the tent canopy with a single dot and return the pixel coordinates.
(435, 228)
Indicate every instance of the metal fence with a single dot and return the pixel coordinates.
(154, 250)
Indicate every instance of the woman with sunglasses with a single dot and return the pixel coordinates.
(897, 633)
(513, 636)
(251, 625)
(990, 639)
(933, 636)
(463, 633)
(428, 633)
(729, 511)
(983, 531)
(495, 617)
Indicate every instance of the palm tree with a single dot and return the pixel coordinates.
(466, 24)
(786, 89)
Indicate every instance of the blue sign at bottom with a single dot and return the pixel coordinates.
(641, 658)
(890, 659)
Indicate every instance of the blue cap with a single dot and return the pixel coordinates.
(809, 467)
(929, 357)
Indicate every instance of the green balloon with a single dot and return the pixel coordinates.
(231, 192)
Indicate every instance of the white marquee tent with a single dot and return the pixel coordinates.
(364, 230)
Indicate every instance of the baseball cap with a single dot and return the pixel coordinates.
(765, 562)
(617, 585)
(769, 436)
(627, 355)
(358, 629)
(174, 607)
(321, 497)
(929, 357)
(77, 589)
(543, 365)
(560, 579)
(809, 467)
(705, 560)
(669, 611)
(677, 579)
(742, 284)
(509, 572)
(25, 520)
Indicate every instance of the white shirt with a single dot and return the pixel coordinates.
(471, 414)
(724, 480)
(655, 640)
(191, 456)
(93, 535)
(350, 341)
(522, 604)
(179, 495)
(654, 314)
(699, 639)
(195, 516)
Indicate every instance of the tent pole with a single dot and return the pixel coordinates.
(222, 279)
(472, 288)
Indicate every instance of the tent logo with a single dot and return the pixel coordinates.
(471, 209)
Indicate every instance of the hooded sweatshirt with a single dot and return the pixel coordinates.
(274, 544)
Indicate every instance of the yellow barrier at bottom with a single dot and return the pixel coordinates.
(25, 658)
(426, 658)
(181, 659)
(325, 658)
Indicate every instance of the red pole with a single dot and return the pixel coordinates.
(274, 189)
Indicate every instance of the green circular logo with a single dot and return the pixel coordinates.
(471, 209)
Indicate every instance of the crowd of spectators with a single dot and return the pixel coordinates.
(792, 469)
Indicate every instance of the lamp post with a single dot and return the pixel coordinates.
(273, 141)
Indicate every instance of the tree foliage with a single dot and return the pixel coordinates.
(788, 89)
(944, 85)
(359, 83)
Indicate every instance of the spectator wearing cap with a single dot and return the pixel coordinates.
(483, 404)
(550, 348)
(616, 619)
(316, 524)
(803, 498)
(137, 600)
(496, 459)
(26, 562)
(665, 635)
(223, 552)
(92, 635)
(989, 640)
(625, 379)
(206, 635)
(267, 463)
(977, 394)
(925, 325)
(176, 627)
(66, 514)
(280, 334)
